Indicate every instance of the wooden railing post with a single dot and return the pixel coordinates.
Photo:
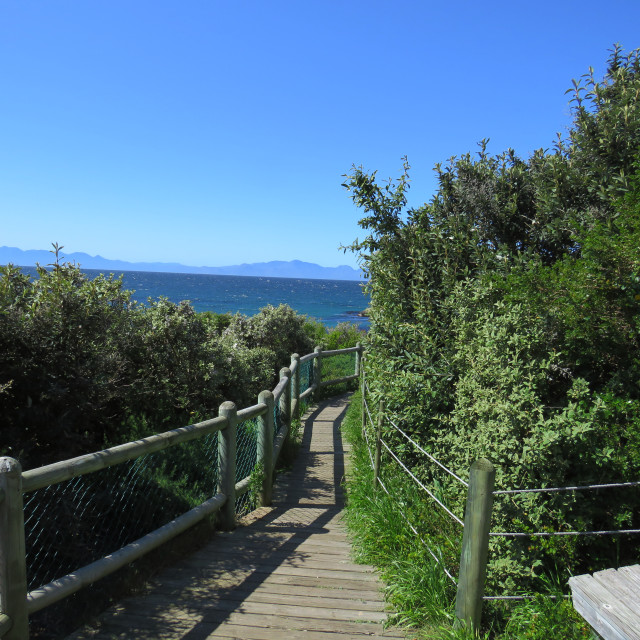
(358, 359)
(13, 572)
(285, 409)
(295, 386)
(317, 372)
(475, 544)
(227, 465)
(265, 446)
(376, 459)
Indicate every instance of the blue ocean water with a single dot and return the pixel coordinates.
(329, 301)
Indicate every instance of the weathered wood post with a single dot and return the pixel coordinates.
(13, 571)
(475, 544)
(378, 449)
(358, 359)
(285, 408)
(295, 386)
(265, 446)
(227, 465)
(363, 393)
(317, 372)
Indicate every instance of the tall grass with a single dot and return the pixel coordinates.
(421, 595)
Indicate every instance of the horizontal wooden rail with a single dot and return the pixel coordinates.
(254, 411)
(279, 442)
(72, 582)
(286, 396)
(67, 469)
(328, 383)
(5, 624)
(339, 352)
(307, 392)
(242, 486)
(280, 388)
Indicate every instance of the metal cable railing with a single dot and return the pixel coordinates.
(380, 443)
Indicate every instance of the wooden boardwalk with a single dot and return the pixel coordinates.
(284, 573)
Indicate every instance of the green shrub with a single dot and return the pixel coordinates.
(278, 329)
(80, 363)
(63, 345)
(505, 323)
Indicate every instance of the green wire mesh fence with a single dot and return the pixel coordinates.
(306, 375)
(246, 458)
(76, 522)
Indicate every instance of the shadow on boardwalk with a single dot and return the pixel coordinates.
(285, 572)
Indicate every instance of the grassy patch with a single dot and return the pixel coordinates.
(422, 596)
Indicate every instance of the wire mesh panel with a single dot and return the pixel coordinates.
(246, 458)
(277, 420)
(246, 448)
(74, 523)
(306, 375)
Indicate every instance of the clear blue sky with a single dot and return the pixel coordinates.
(214, 133)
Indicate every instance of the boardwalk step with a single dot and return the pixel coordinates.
(286, 572)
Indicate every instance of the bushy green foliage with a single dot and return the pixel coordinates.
(421, 595)
(505, 324)
(343, 336)
(279, 329)
(63, 346)
(81, 365)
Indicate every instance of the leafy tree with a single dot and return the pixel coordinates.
(505, 318)
(81, 365)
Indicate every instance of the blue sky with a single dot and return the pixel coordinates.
(216, 133)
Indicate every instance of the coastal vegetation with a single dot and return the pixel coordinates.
(83, 365)
(505, 324)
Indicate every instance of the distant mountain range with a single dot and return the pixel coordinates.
(275, 269)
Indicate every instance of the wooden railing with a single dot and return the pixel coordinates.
(17, 603)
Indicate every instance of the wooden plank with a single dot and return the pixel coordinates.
(278, 594)
(227, 630)
(318, 560)
(292, 580)
(632, 574)
(205, 608)
(599, 607)
(175, 619)
(286, 572)
(619, 587)
(128, 626)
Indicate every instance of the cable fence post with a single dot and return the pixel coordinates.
(295, 386)
(265, 446)
(475, 544)
(13, 570)
(227, 465)
(317, 372)
(376, 459)
(363, 393)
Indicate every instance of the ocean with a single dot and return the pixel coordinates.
(329, 301)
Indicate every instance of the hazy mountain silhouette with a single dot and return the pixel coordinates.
(274, 269)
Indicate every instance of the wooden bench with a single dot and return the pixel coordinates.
(609, 601)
